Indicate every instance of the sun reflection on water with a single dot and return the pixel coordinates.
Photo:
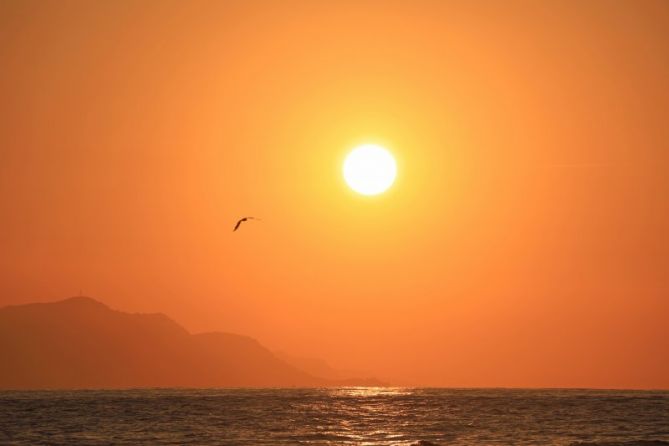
(369, 391)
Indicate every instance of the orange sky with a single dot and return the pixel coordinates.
(524, 242)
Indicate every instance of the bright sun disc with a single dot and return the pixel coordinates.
(369, 169)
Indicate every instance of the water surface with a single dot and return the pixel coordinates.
(344, 416)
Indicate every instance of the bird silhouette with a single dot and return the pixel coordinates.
(243, 220)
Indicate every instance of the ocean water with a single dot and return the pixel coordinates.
(341, 416)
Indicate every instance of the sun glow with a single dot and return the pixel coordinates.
(369, 169)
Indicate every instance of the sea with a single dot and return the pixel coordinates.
(335, 416)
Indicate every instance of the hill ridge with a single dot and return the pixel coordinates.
(80, 342)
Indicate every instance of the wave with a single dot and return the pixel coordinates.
(622, 443)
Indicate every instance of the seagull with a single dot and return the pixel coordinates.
(243, 220)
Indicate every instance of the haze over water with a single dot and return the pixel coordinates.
(523, 242)
(343, 416)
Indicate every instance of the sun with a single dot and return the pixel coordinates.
(369, 169)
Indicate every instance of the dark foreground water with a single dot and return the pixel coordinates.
(346, 416)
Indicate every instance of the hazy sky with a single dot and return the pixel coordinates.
(525, 242)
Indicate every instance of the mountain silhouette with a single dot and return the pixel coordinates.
(82, 343)
(319, 367)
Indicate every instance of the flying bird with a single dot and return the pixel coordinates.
(243, 220)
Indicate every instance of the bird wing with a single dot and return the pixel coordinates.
(237, 225)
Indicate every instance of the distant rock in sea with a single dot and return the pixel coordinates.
(82, 343)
